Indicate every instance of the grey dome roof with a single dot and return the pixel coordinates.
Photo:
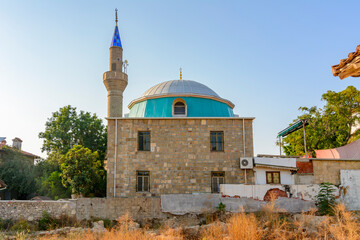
(180, 87)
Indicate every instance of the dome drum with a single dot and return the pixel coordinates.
(198, 99)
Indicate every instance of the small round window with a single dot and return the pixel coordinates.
(179, 109)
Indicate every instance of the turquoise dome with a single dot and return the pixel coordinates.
(199, 100)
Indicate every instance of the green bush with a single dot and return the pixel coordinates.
(221, 207)
(6, 224)
(325, 200)
(108, 224)
(22, 226)
(46, 222)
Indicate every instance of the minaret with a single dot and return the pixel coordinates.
(115, 80)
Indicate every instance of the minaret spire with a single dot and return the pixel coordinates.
(116, 41)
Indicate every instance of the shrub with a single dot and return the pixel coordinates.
(221, 207)
(6, 224)
(66, 220)
(325, 200)
(46, 222)
(22, 226)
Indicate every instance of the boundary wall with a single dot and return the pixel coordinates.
(304, 192)
(83, 208)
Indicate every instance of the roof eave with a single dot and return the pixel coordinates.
(276, 166)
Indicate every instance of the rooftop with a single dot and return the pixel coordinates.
(348, 66)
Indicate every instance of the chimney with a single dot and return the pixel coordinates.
(17, 143)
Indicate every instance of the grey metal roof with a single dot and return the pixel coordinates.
(180, 87)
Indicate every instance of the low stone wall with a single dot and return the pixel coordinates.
(32, 210)
(84, 208)
(112, 208)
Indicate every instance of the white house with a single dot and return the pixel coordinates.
(274, 170)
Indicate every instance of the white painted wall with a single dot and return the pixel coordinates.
(350, 183)
(306, 192)
(285, 176)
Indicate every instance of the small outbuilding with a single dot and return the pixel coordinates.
(274, 170)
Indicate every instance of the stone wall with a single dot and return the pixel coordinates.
(32, 210)
(139, 208)
(112, 208)
(329, 170)
(83, 208)
(180, 160)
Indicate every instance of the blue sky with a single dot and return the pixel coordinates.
(267, 57)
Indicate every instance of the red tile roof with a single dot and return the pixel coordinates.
(29, 154)
(349, 66)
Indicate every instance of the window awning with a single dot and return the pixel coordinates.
(292, 128)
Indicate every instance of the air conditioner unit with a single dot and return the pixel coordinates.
(246, 163)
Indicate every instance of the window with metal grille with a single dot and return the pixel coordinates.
(142, 181)
(217, 141)
(217, 178)
(144, 141)
(179, 108)
(273, 178)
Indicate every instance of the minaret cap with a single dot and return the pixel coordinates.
(116, 42)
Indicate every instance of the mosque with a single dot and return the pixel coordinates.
(180, 136)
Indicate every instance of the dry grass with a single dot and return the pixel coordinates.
(242, 226)
(270, 225)
(345, 225)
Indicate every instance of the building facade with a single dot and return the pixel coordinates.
(179, 137)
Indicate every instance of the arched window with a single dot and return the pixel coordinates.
(179, 108)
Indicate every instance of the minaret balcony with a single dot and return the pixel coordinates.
(115, 75)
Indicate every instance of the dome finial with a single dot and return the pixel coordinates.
(116, 17)
(180, 73)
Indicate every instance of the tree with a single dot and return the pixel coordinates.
(17, 171)
(80, 169)
(66, 129)
(48, 179)
(329, 127)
